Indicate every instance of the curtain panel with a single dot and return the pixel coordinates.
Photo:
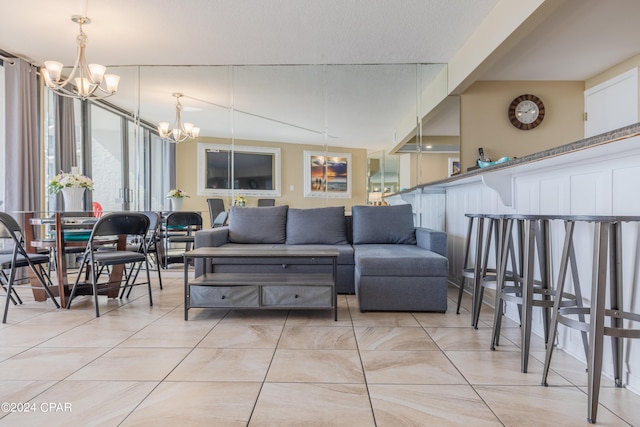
(65, 138)
(22, 157)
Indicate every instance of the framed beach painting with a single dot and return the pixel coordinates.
(454, 166)
(327, 174)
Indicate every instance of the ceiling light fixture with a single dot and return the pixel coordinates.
(181, 132)
(88, 83)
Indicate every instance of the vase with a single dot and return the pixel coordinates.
(73, 199)
(176, 203)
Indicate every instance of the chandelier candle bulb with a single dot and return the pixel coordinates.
(83, 86)
(97, 72)
(163, 127)
(53, 70)
(112, 82)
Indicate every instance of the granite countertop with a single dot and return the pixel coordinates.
(604, 138)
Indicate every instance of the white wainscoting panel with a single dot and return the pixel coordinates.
(606, 184)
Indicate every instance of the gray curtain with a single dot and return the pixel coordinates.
(66, 157)
(22, 163)
(170, 165)
(65, 135)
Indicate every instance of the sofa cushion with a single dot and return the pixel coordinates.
(399, 260)
(258, 225)
(316, 226)
(383, 225)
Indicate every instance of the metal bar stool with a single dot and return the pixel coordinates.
(499, 236)
(483, 240)
(534, 239)
(472, 271)
(607, 258)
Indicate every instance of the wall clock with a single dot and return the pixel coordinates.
(526, 112)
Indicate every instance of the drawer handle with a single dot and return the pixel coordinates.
(285, 265)
(296, 296)
(223, 297)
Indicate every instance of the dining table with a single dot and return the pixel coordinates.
(61, 233)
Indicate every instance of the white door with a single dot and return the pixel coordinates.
(612, 104)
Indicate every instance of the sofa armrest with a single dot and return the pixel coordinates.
(207, 239)
(211, 238)
(435, 241)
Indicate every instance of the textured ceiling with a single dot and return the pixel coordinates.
(223, 32)
(362, 109)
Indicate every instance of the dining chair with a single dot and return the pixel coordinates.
(266, 202)
(123, 225)
(216, 206)
(180, 228)
(151, 243)
(17, 258)
(220, 220)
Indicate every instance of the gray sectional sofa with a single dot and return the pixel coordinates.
(383, 259)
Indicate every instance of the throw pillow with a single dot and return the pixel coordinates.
(383, 224)
(316, 226)
(258, 225)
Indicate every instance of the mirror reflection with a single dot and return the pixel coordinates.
(354, 109)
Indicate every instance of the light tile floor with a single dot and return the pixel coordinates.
(140, 365)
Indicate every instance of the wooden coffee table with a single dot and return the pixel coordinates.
(261, 291)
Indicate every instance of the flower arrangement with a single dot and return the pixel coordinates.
(176, 193)
(241, 201)
(69, 180)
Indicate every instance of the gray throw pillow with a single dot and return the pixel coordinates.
(383, 225)
(316, 226)
(258, 225)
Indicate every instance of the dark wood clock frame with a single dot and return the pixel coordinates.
(512, 112)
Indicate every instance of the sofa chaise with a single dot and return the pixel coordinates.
(398, 267)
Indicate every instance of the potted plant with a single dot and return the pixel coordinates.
(176, 195)
(72, 186)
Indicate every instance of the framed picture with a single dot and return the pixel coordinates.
(327, 174)
(454, 166)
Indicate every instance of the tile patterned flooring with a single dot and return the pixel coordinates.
(138, 365)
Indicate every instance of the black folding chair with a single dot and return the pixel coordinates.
(121, 224)
(151, 242)
(180, 227)
(18, 257)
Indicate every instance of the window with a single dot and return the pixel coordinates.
(223, 169)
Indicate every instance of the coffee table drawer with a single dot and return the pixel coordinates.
(297, 296)
(224, 296)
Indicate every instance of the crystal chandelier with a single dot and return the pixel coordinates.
(181, 132)
(85, 80)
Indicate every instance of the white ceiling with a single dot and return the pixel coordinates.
(580, 40)
(360, 106)
(240, 32)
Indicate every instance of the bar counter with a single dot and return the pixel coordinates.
(597, 176)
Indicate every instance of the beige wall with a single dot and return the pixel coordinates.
(612, 72)
(484, 122)
(291, 175)
(434, 167)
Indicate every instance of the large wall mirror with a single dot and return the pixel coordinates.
(323, 107)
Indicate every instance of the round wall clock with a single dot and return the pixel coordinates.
(526, 112)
